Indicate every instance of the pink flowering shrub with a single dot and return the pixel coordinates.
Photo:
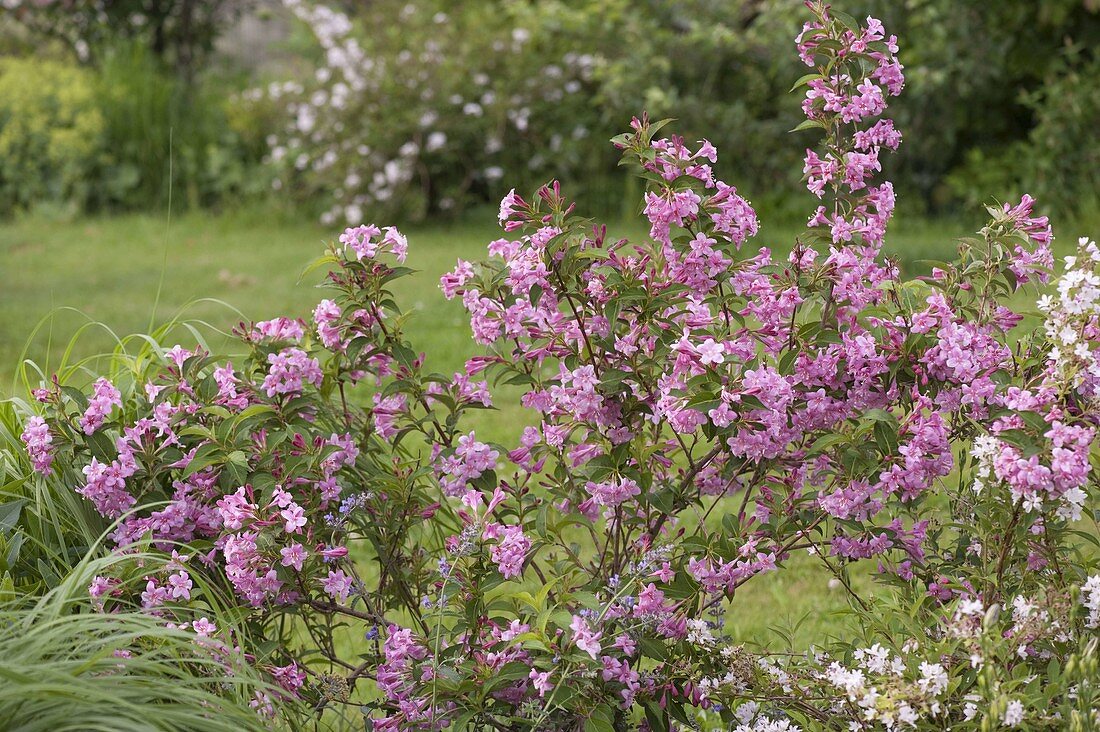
(702, 411)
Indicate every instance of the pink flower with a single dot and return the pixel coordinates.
(359, 238)
(154, 595)
(397, 243)
(293, 556)
(584, 638)
(290, 370)
(626, 644)
(226, 379)
(711, 352)
(470, 459)
(204, 628)
(665, 573)
(179, 586)
(99, 586)
(106, 487)
(177, 354)
(333, 552)
(611, 493)
(295, 518)
(510, 551)
(104, 397)
(279, 329)
(515, 629)
(291, 677)
(541, 681)
(326, 316)
(455, 279)
(235, 509)
(650, 601)
(509, 205)
(338, 585)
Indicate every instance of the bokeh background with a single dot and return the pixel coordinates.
(185, 159)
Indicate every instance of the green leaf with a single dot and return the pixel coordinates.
(805, 79)
(826, 441)
(602, 720)
(9, 514)
(14, 546)
(880, 415)
(205, 456)
(656, 717)
(463, 722)
(319, 262)
(848, 21)
(808, 124)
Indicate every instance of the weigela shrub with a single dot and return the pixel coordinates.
(703, 412)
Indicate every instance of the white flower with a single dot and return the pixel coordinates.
(435, 141)
(933, 679)
(1014, 714)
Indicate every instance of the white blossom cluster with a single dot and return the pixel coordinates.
(904, 689)
(1070, 318)
(1090, 598)
(884, 690)
(985, 448)
(342, 129)
(751, 719)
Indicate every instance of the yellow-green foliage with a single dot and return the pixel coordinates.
(51, 132)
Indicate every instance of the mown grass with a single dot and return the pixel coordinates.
(134, 272)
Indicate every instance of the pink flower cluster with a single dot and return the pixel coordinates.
(279, 329)
(104, 397)
(290, 370)
(36, 436)
(510, 550)
(847, 96)
(731, 216)
(468, 461)
(367, 242)
(1028, 263)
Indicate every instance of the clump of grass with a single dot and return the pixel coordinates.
(68, 667)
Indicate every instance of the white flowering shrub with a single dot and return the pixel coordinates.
(419, 106)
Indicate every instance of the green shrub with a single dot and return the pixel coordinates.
(68, 667)
(119, 138)
(1056, 160)
(164, 134)
(415, 107)
(418, 108)
(52, 134)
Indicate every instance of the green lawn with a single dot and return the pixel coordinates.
(111, 270)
